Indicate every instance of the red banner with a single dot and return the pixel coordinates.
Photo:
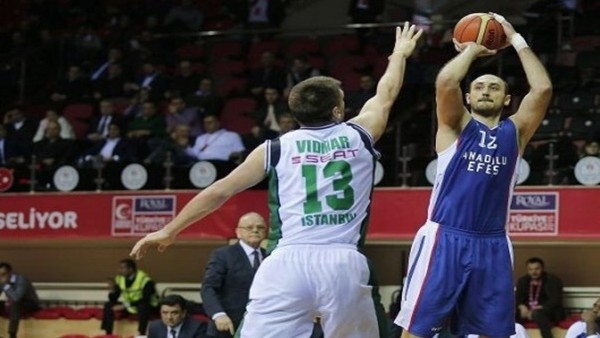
(549, 213)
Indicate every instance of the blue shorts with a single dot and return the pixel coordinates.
(459, 279)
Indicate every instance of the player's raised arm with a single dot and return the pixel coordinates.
(246, 175)
(452, 115)
(374, 114)
(532, 109)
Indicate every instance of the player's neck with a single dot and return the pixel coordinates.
(489, 121)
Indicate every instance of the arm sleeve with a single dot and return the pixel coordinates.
(16, 292)
(214, 277)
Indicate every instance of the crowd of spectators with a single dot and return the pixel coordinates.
(117, 82)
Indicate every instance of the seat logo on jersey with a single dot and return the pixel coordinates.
(321, 151)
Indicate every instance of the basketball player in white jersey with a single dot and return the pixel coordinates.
(460, 264)
(321, 178)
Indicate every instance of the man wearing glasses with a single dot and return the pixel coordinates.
(229, 274)
(589, 325)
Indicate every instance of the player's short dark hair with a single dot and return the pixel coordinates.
(312, 100)
(174, 299)
(6, 266)
(130, 263)
(534, 260)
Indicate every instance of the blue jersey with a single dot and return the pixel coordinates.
(475, 178)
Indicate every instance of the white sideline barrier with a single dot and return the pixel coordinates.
(574, 298)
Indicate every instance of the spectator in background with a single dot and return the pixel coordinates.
(365, 11)
(20, 128)
(52, 152)
(21, 297)
(300, 70)
(264, 13)
(590, 148)
(150, 124)
(112, 85)
(137, 293)
(217, 143)
(115, 56)
(539, 297)
(178, 144)
(229, 274)
(267, 115)
(99, 127)
(174, 320)
(186, 80)
(114, 148)
(589, 325)
(151, 79)
(179, 113)
(287, 123)
(205, 99)
(66, 130)
(355, 100)
(267, 75)
(184, 18)
(74, 88)
(11, 152)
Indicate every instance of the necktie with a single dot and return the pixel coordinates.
(173, 333)
(256, 262)
(102, 125)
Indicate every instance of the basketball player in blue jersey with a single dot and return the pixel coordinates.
(460, 264)
(320, 183)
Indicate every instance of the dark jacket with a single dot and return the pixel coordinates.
(226, 285)
(550, 297)
(21, 291)
(191, 328)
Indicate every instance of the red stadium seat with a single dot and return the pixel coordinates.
(303, 46)
(237, 114)
(571, 319)
(227, 68)
(80, 111)
(232, 87)
(258, 48)
(225, 49)
(190, 52)
(341, 44)
(46, 314)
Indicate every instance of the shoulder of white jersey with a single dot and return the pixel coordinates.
(272, 153)
(366, 137)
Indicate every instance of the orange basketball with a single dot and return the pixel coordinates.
(481, 28)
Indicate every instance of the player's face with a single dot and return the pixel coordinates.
(172, 315)
(534, 270)
(487, 95)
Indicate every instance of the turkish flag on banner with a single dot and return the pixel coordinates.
(6, 179)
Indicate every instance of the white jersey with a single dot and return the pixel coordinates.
(320, 184)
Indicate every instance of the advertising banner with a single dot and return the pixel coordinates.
(396, 214)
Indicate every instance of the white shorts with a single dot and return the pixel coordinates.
(299, 282)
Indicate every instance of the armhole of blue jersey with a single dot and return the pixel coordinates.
(366, 138)
(273, 153)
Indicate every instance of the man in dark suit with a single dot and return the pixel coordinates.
(20, 128)
(21, 297)
(229, 274)
(174, 321)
